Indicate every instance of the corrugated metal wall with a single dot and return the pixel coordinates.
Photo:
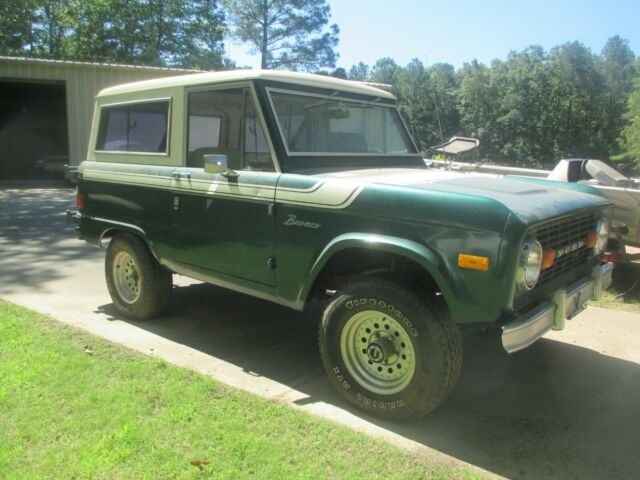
(83, 81)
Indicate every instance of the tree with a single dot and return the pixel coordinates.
(286, 33)
(359, 72)
(107, 31)
(576, 89)
(339, 73)
(411, 87)
(443, 87)
(531, 109)
(522, 126)
(386, 71)
(187, 34)
(630, 138)
(618, 69)
(477, 101)
(427, 99)
(16, 19)
(151, 32)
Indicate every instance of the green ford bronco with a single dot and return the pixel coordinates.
(295, 188)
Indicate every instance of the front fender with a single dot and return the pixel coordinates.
(409, 249)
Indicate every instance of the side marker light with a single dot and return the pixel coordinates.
(473, 262)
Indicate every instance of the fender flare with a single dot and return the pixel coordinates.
(115, 227)
(414, 251)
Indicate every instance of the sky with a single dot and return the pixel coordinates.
(459, 31)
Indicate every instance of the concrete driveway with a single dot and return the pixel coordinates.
(568, 407)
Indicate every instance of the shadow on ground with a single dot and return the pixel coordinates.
(33, 229)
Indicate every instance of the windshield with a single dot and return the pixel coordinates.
(312, 124)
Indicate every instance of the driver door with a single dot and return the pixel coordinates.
(225, 224)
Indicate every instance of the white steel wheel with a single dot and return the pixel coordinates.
(139, 287)
(126, 277)
(377, 352)
(388, 349)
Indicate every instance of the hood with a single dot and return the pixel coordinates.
(532, 202)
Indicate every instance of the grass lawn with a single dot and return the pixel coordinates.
(75, 406)
(624, 293)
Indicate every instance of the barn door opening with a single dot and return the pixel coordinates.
(34, 137)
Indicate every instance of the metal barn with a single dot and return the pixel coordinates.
(46, 107)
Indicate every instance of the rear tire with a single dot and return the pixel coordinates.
(388, 351)
(139, 286)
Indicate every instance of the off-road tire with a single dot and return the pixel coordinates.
(154, 283)
(435, 341)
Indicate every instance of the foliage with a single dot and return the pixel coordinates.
(385, 71)
(287, 34)
(624, 293)
(630, 138)
(75, 406)
(149, 32)
(359, 72)
(531, 109)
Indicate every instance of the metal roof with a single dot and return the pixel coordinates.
(296, 78)
(92, 64)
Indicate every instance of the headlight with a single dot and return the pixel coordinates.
(530, 264)
(602, 231)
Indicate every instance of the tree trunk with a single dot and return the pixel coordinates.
(263, 48)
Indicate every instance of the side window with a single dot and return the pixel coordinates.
(140, 127)
(256, 151)
(225, 122)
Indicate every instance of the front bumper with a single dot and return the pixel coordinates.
(551, 314)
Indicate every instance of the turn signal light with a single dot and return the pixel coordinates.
(591, 240)
(548, 258)
(473, 262)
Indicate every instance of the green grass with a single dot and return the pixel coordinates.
(616, 299)
(114, 413)
(624, 293)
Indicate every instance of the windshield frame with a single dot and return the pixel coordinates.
(335, 96)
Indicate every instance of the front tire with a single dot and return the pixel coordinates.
(388, 351)
(139, 287)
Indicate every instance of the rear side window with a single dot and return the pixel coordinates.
(134, 127)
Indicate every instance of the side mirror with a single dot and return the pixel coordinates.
(217, 163)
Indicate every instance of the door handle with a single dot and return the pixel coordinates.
(181, 175)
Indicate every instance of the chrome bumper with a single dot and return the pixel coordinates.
(551, 314)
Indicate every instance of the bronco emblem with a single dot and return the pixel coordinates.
(293, 221)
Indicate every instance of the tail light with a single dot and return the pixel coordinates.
(613, 257)
(80, 201)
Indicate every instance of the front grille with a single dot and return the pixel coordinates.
(563, 233)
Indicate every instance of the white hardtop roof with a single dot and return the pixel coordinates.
(294, 78)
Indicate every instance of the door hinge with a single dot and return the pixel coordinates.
(271, 262)
(271, 208)
(176, 203)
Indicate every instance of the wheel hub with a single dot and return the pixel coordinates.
(381, 349)
(377, 352)
(126, 277)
